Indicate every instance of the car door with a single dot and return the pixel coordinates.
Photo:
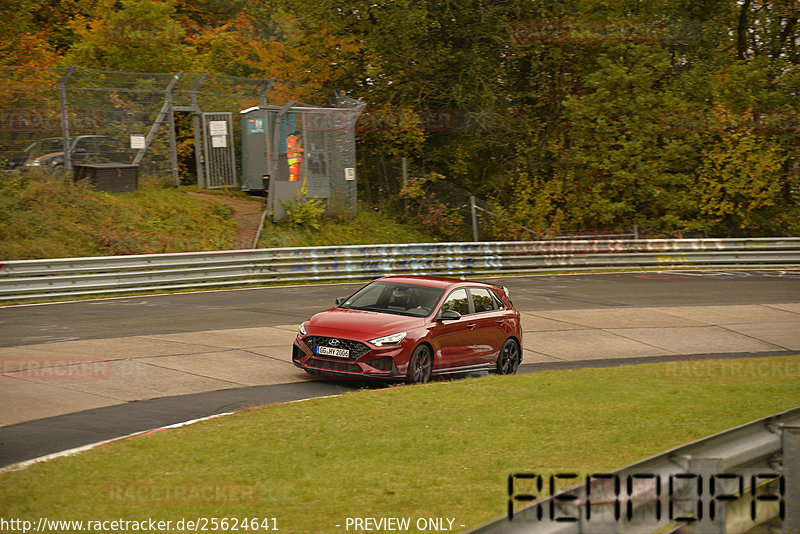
(454, 345)
(489, 318)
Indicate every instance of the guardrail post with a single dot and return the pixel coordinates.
(791, 479)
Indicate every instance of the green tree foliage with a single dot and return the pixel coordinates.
(131, 35)
(633, 134)
(739, 186)
(24, 43)
(569, 114)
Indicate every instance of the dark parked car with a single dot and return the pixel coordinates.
(49, 152)
(412, 328)
(35, 150)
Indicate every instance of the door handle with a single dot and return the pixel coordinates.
(501, 321)
(471, 326)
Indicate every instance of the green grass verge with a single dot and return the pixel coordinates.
(440, 450)
(44, 216)
(368, 227)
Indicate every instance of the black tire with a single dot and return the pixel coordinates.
(420, 366)
(509, 358)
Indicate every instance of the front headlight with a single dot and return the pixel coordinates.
(385, 341)
(302, 329)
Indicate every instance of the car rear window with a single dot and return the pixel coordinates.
(482, 299)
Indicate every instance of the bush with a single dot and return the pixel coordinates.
(431, 215)
(304, 214)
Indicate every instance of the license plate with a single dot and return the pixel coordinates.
(330, 351)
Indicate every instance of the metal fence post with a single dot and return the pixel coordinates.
(791, 479)
(62, 95)
(474, 211)
(197, 126)
(173, 149)
(274, 128)
(262, 95)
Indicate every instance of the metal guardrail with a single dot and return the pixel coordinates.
(72, 277)
(746, 475)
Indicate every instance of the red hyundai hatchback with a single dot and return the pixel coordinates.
(411, 328)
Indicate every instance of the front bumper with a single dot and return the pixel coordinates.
(385, 363)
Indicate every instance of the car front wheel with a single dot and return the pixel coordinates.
(509, 358)
(420, 365)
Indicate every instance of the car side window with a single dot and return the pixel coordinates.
(82, 146)
(457, 301)
(482, 299)
(498, 302)
(107, 148)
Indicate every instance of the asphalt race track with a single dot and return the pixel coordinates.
(190, 312)
(32, 326)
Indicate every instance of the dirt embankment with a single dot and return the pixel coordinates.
(247, 212)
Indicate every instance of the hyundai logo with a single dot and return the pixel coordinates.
(333, 342)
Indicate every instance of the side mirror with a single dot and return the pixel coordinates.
(449, 315)
(341, 300)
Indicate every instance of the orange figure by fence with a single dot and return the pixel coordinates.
(294, 156)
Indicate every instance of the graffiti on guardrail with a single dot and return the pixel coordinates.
(43, 279)
(673, 260)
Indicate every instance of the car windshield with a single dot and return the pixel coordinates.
(399, 299)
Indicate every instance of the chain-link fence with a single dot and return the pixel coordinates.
(456, 214)
(62, 116)
(56, 118)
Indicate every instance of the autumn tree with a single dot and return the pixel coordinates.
(24, 43)
(131, 35)
(738, 187)
(569, 114)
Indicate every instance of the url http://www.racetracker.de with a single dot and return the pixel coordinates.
(197, 524)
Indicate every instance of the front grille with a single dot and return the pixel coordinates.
(344, 367)
(356, 349)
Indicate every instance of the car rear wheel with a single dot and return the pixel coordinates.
(420, 365)
(509, 358)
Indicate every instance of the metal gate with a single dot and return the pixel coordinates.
(218, 158)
